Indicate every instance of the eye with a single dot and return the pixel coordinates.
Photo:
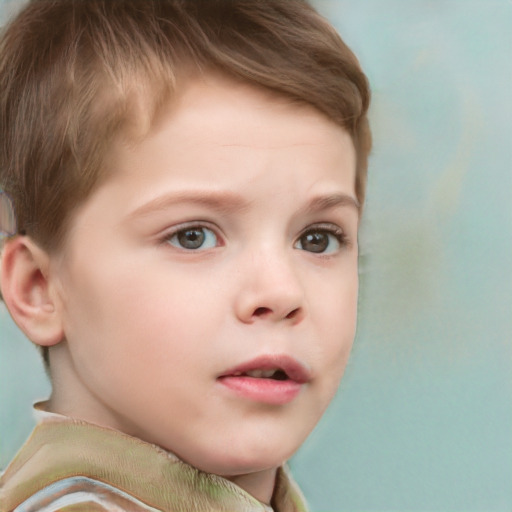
(193, 238)
(321, 240)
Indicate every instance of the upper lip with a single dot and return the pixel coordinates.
(295, 370)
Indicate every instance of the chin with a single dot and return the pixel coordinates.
(246, 461)
(229, 461)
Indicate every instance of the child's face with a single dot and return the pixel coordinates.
(228, 235)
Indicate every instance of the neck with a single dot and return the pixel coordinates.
(259, 484)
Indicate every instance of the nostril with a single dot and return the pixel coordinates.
(292, 314)
(262, 312)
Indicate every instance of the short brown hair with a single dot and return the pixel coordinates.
(72, 70)
(75, 74)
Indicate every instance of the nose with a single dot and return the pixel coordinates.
(270, 289)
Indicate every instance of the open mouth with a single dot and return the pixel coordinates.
(271, 379)
(276, 374)
(271, 367)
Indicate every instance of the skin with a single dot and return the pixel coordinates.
(149, 325)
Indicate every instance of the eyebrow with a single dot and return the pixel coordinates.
(221, 202)
(228, 202)
(332, 201)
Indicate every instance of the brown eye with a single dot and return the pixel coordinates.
(320, 241)
(194, 238)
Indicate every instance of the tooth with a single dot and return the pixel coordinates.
(260, 374)
(257, 374)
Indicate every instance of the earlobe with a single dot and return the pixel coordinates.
(27, 291)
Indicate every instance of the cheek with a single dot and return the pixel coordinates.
(335, 318)
(139, 316)
(335, 305)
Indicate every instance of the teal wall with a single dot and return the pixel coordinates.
(423, 419)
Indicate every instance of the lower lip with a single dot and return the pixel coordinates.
(269, 391)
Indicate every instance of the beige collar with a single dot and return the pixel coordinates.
(62, 447)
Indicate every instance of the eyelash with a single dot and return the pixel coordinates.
(331, 230)
(196, 226)
(328, 229)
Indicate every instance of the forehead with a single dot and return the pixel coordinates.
(249, 106)
(213, 112)
(221, 131)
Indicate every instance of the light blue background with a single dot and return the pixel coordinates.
(423, 420)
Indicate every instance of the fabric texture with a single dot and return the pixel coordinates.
(69, 465)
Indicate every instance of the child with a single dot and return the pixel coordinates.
(187, 179)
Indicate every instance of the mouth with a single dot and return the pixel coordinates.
(270, 379)
(275, 374)
(276, 367)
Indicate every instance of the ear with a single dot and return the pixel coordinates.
(27, 291)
